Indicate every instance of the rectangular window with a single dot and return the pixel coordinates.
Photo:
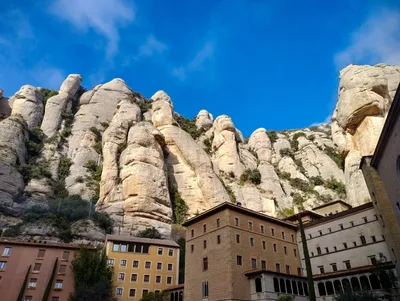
(363, 241)
(133, 277)
(205, 263)
(320, 232)
(159, 266)
(146, 278)
(132, 292)
(239, 260)
(262, 228)
(292, 237)
(145, 292)
(319, 251)
(41, 253)
(171, 252)
(158, 279)
(326, 250)
(204, 228)
(335, 248)
(37, 267)
(250, 226)
(345, 245)
(65, 255)
(3, 265)
(121, 276)
(135, 264)
(170, 266)
(124, 248)
(274, 247)
(283, 235)
(272, 231)
(373, 238)
(309, 236)
(298, 271)
(263, 264)
(285, 250)
(192, 233)
(110, 261)
(119, 291)
(55, 298)
(238, 238)
(312, 253)
(218, 223)
(218, 239)
(354, 244)
(204, 289)
(160, 251)
(330, 229)
(147, 265)
(321, 269)
(341, 226)
(191, 248)
(169, 280)
(253, 263)
(334, 267)
(236, 222)
(295, 252)
(347, 264)
(288, 270)
(62, 269)
(59, 284)
(365, 219)
(28, 298)
(7, 251)
(122, 263)
(372, 259)
(251, 242)
(115, 247)
(352, 224)
(32, 283)
(277, 267)
(205, 244)
(264, 244)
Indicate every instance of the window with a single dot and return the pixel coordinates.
(205, 263)
(298, 272)
(283, 235)
(218, 223)
(330, 230)
(123, 248)
(3, 265)
(236, 222)
(132, 292)
(345, 245)
(170, 266)
(309, 236)
(204, 228)
(335, 248)
(365, 219)
(262, 228)
(135, 264)
(363, 241)
(250, 226)
(169, 280)
(59, 284)
(253, 263)
(110, 261)
(352, 224)
(320, 232)
(274, 247)
(372, 259)
(285, 250)
(264, 244)
(191, 248)
(32, 283)
(238, 238)
(28, 298)
(373, 238)
(41, 253)
(218, 239)
(319, 251)
(258, 285)
(146, 278)
(292, 237)
(36, 267)
(147, 265)
(133, 277)
(263, 264)
(7, 251)
(251, 242)
(62, 269)
(171, 252)
(159, 266)
(272, 231)
(277, 267)
(65, 255)
(116, 247)
(354, 244)
(145, 292)
(122, 263)
(334, 267)
(326, 250)
(121, 276)
(347, 264)
(204, 289)
(341, 226)
(375, 217)
(55, 298)
(312, 253)
(119, 291)
(205, 244)
(158, 279)
(288, 270)
(295, 252)
(192, 233)
(160, 251)
(239, 260)
(321, 269)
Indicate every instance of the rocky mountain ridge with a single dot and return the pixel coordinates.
(146, 165)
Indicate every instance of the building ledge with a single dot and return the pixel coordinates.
(363, 269)
(261, 271)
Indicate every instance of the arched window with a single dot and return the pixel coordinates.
(294, 286)
(171, 297)
(282, 285)
(365, 286)
(258, 285)
(374, 282)
(321, 289)
(276, 285)
(338, 286)
(355, 284)
(300, 287)
(346, 285)
(180, 296)
(305, 286)
(288, 287)
(329, 288)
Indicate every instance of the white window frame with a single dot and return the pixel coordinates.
(110, 260)
(166, 280)
(32, 284)
(138, 261)
(149, 278)
(158, 251)
(161, 266)
(3, 265)
(116, 291)
(172, 267)
(126, 263)
(7, 251)
(136, 277)
(119, 278)
(160, 279)
(169, 251)
(129, 295)
(57, 284)
(145, 263)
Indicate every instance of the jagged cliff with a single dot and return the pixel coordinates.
(146, 165)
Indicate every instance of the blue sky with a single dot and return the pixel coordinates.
(271, 64)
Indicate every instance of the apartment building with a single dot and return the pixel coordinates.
(35, 262)
(142, 265)
(233, 253)
(344, 248)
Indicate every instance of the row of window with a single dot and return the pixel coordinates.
(341, 226)
(135, 264)
(36, 267)
(33, 282)
(287, 286)
(7, 252)
(146, 278)
(139, 248)
(250, 227)
(355, 284)
(30, 298)
(346, 264)
(119, 292)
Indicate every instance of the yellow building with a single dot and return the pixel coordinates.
(142, 265)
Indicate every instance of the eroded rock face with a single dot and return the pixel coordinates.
(5, 109)
(162, 109)
(204, 120)
(85, 231)
(28, 102)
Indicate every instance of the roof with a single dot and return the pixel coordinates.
(338, 215)
(391, 119)
(294, 217)
(43, 243)
(332, 203)
(174, 287)
(386, 265)
(238, 208)
(151, 241)
(261, 271)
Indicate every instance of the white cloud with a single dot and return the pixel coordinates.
(197, 63)
(327, 120)
(151, 46)
(375, 41)
(104, 16)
